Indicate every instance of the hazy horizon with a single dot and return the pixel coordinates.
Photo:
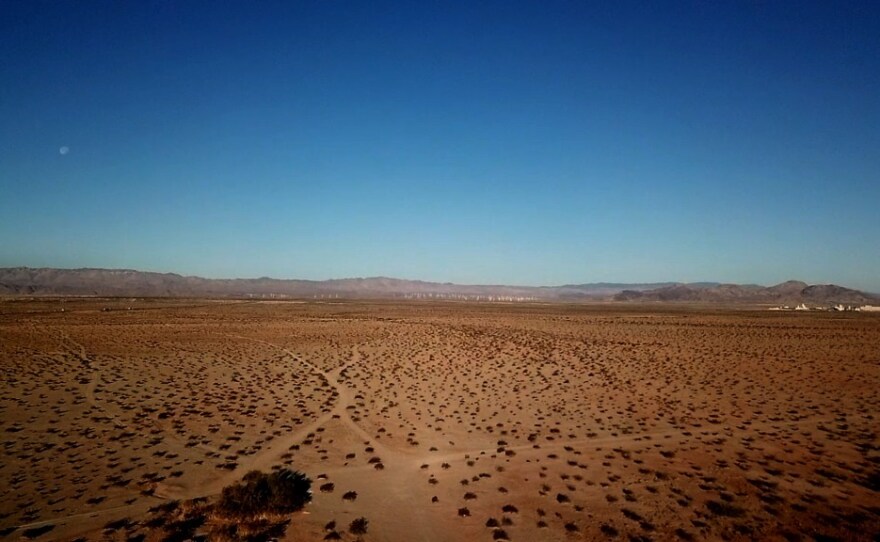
(506, 143)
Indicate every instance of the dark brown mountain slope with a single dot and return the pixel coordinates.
(790, 292)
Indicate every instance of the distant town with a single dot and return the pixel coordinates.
(834, 308)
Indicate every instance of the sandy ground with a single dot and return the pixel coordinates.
(449, 421)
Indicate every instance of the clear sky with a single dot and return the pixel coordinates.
(523, 143)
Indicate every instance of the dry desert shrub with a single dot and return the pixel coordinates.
(256, 509)
(725, 509)
(35, 532)
(358, 526)
(280, 492)
(349, 496)
(261, 530)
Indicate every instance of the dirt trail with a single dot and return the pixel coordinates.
(271, 456)
(75, 349)
(400, 497)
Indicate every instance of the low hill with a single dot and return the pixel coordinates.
(791, 292)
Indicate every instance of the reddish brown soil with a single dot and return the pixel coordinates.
(558, 422)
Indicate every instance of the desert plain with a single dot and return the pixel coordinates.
(440, 421)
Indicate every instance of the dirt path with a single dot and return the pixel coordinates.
(400, 497)
(271, 456)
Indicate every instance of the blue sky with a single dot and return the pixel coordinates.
(519, 143)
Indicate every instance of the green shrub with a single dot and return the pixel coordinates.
(280, 492)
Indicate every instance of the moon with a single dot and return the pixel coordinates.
(63, 150)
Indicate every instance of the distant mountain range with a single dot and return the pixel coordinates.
(25, 281)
